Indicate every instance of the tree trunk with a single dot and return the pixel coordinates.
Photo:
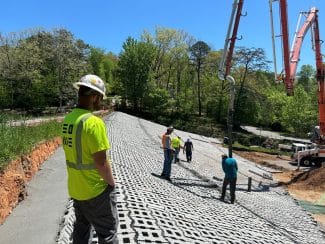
(199, 88)
(178, 88)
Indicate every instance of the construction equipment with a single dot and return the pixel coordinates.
(225, 65)
(307, 155)
(315, 155)
(304, 152)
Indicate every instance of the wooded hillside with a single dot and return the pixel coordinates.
(165, 73)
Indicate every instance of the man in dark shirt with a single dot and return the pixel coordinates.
(230, 168)
(188, 148)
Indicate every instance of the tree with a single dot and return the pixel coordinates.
(171, 58)
(108, 65)
(95, 59)
(247, 63)
(299, 113)
(20, 62)
(198, 54)
(306, 77)
(134, 68)
(276, 100)
(215, 91)
(69, 63)
(103, 65)
(40, 66)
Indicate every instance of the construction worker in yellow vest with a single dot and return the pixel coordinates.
(176, 144)
(90, 179)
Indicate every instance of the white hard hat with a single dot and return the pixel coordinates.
(93, 82)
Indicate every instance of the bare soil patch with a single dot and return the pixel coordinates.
(279, 162)
(307, 186)
(14, 177)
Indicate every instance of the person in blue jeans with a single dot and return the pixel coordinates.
(168, 153)
(230, 168)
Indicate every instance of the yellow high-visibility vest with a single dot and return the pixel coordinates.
(176, 142)
(83, 134)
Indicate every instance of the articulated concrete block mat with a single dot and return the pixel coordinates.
(153, 210)
(187, 210)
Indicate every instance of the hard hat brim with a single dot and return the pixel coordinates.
(77, 84)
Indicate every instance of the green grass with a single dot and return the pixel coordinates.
(239, 147)
(18, 140)
(6, 116)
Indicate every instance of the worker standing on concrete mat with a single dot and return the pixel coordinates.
(176, 144)
(168, 153)
(90, 178)
(230, 168)
(188, 148)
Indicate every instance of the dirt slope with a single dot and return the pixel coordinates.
(14, 178)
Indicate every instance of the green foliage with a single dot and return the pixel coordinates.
(37, 69)
(156, 101)
(249, 66)
(299, 114)
(5, 95)
(199, 52)
(95, 59)
(166, 73)
(18, 140)
(104, 65)
(239, 147)
(276, 102)
(306, 78)
(134, 70)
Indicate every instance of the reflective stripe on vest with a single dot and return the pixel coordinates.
(79, 165)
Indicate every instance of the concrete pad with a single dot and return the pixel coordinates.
(37, 218)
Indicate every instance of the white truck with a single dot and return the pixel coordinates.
(308, 154)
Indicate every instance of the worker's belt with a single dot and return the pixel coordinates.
(79, 165)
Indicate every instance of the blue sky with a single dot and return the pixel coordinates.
(107, 23)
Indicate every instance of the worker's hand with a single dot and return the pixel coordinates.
(104, 167)
(112, 186)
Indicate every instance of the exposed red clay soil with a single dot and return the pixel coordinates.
(14, 177)
(18, 172)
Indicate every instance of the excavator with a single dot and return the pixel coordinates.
(303, 154)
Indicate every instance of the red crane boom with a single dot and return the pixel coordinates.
(290, 63)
